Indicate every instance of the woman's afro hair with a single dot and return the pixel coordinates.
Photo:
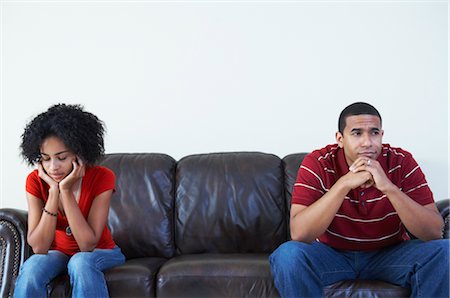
(80, 131)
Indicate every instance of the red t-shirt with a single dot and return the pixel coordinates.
(95, 181)
(366, 219)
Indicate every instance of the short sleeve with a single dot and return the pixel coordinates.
(105, 179)
(33, 184)
(414, 183)
(308, 186)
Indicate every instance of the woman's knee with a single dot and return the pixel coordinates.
(80, 262)
(33, 271)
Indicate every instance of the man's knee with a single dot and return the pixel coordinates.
(438, 248)
(442, 249)
(288, 254)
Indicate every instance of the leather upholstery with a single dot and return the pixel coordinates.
(200, 227)
(13, 248)
(141, 213)
(229, 203)
(216, 275)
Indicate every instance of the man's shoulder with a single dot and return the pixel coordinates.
(394, 153)
(325, 154)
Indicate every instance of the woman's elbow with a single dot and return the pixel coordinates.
(87, 247)
(37, 247)
(39, 250)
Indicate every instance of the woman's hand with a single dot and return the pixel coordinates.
(77, 172)
(44, 176)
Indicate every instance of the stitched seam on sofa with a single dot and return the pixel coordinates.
(16, 251)
(3, 252)
(129, 279)
(215, 276)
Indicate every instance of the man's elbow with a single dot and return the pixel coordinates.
(437, 233)
(300, 236)
(432, 234)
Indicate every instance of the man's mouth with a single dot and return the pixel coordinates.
(367, 154)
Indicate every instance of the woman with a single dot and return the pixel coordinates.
(68, 203)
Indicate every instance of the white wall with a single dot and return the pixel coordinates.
(185, 77)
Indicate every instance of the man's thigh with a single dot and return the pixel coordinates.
(318, 260)
(397, 263)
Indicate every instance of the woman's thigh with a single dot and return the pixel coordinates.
(45, 267)
(101, 259)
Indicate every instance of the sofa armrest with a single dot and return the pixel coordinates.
(444, 208)
(14, 249)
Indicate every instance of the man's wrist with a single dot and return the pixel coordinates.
(342, 186)
(390, 189)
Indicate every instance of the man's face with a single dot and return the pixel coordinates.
(362, 137)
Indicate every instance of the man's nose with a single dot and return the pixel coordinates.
(367, 141)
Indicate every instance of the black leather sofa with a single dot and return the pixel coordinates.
(200, 227)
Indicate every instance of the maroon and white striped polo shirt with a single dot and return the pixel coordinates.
(366, 219)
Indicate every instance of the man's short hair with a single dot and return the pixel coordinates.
(357, 108)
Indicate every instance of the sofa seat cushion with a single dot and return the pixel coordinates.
(216, 275)
(135, 278)
(365, 289)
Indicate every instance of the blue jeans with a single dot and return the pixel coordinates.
(302, 270)
(84, 268)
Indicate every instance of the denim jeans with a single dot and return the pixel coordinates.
(302, 270)
(84, 269)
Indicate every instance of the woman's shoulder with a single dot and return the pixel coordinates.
(33, 176)
(99, 179)
(34, 184)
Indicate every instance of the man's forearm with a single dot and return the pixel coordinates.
(308, 223)
(424, 222)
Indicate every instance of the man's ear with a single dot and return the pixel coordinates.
(339, 138)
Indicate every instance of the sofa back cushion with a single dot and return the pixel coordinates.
(291, 164)
(141, 213)
(229, 203)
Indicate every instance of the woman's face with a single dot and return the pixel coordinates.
(56, 158)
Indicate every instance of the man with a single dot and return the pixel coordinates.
(351, 206)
